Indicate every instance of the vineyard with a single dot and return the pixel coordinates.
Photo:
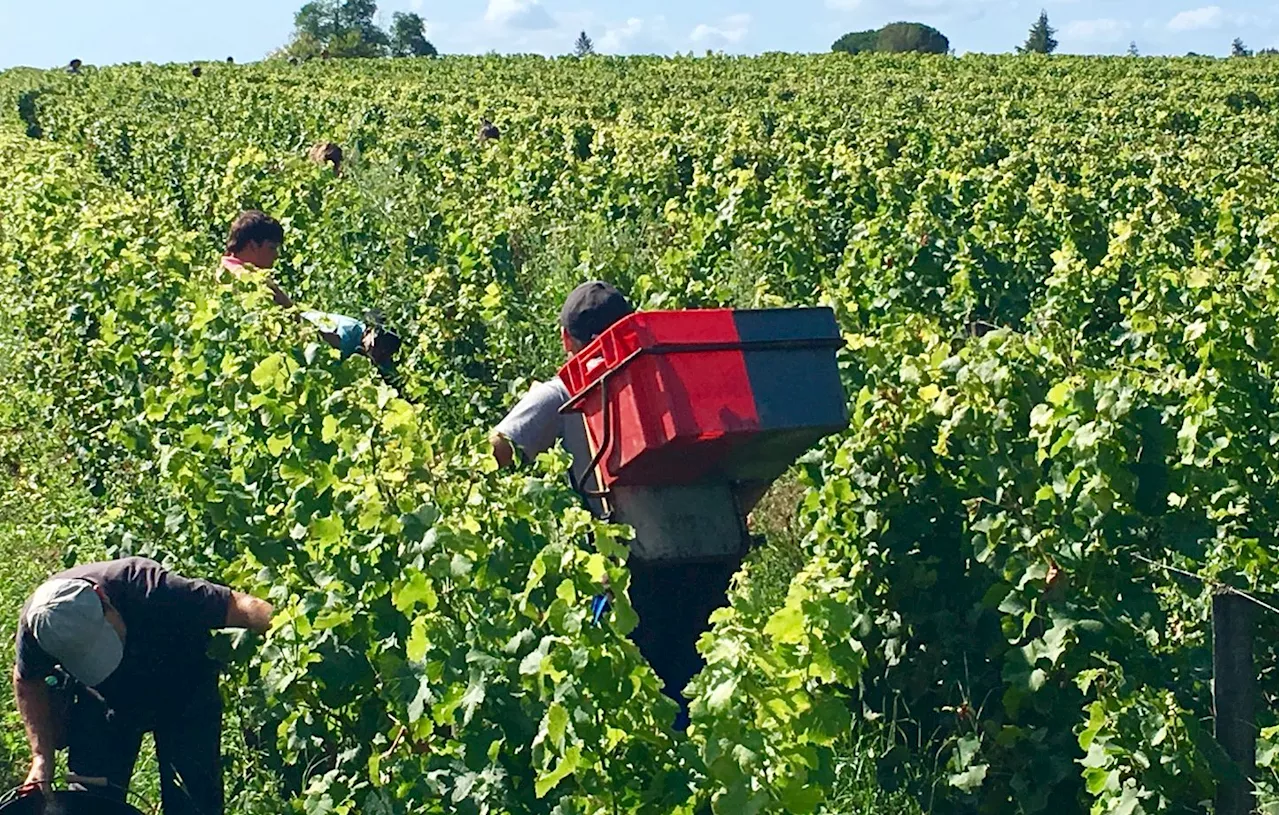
(1057, 284)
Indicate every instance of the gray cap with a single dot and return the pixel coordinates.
(66, 618)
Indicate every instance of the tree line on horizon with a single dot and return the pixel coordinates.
(903, 37)
(347, 28)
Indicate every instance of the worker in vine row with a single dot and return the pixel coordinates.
(254, 243)
(673, 598)
(326, 152)
(109, 651)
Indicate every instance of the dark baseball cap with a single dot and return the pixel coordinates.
(591, 308)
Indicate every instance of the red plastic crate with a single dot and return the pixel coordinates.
(683, 391)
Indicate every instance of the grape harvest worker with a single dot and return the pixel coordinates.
(673, 599)
(326, 152)
(254, 243)
(109, 651)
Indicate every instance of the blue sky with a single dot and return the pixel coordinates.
(47, 33)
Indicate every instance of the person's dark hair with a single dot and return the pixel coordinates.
(254, 226)
(591, 308)
(386, 344)
(326, 151)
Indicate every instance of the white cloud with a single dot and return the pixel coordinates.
(616, 37)
(1103, 29)
(1193, 19)
(518, 27)
(635, 36)
(528, 15)
(928, 11)
(729, 31)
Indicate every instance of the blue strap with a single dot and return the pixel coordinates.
(599, 605)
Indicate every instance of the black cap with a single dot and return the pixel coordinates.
(591, 308)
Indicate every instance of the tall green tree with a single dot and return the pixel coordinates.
(856, 42)
(317, 20)
(583, 46)
(359, 16)
(1040, 39)
(1238, 49)
(409, 36)
(1133, 48)
(342, 28)
(896, 38)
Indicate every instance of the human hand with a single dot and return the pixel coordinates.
(247, 611)
(40, 775)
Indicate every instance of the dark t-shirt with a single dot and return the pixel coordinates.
(168, 619)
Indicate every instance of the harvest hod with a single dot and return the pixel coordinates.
(1056, 282)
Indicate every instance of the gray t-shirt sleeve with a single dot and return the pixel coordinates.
(535, 423)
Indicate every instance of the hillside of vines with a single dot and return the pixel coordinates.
(1056, 279)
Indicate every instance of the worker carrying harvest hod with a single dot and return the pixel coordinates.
(673, 598)
(254, 243)
(109, 651)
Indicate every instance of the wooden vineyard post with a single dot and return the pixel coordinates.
(1234, 692)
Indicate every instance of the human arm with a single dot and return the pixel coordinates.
(199, 604)
(278, 294)
(238, 269)
(247, 611)
(503, 451)
(532, 426)
(33, 701)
